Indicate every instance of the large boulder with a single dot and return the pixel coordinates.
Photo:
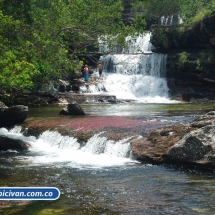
(72, 109)
(155, 146)
(48, 89)
(7, 143)
(195, 147)
(13, 115)
(192, 143)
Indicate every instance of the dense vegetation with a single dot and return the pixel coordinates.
(191, 11)
(40, 40)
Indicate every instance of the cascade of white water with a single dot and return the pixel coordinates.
(98, 145)
(134, 45)
(135, 73)
(138, 44)
(153, 64)
(51, 147)
(170, 20)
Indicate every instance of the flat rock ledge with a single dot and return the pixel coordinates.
(183, 143)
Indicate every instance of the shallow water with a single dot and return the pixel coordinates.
(94, 187)
(128, 189)
(129, 109)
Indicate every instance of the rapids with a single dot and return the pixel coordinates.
(53, 148)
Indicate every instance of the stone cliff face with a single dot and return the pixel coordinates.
(190, 81)
(191, 59)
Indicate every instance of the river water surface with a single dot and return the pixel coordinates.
(107, 182)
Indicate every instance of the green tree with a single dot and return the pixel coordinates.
(157, 8)
(46, 36)
(189, 10)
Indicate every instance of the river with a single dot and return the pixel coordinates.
(104, 183)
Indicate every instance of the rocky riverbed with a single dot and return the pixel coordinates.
(185, 142)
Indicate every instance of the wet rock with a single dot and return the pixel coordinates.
(64, 86)
(85, 98)
(13, 144)
(72, 109)
(13, 115)
(48, 89)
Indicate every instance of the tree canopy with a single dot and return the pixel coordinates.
(41, 39)
(187, 9)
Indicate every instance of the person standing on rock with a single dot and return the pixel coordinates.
(100, 68)
(86, 73)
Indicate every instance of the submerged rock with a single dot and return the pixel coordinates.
(7, 143)
(72, 109)
(13, 115)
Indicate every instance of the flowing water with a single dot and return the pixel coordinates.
(96, 174)
(99, 176)
(135, 73)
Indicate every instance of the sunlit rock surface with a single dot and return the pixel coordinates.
(195, 147)
(192, 143)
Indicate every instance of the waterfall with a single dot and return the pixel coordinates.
(135, 72)
(134, 45)
(55, 149)
(150, 64)
(170, 20)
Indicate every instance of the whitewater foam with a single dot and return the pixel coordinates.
(134, 75)
(51, 148)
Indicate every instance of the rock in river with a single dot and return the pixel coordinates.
(191, 143)
(195, 147)
(7, 143)
(13, 115)
(72, 109)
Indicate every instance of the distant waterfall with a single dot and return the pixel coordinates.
(170, 20)
(137, 58)
(134, 45)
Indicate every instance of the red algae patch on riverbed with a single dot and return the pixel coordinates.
(89, 123)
